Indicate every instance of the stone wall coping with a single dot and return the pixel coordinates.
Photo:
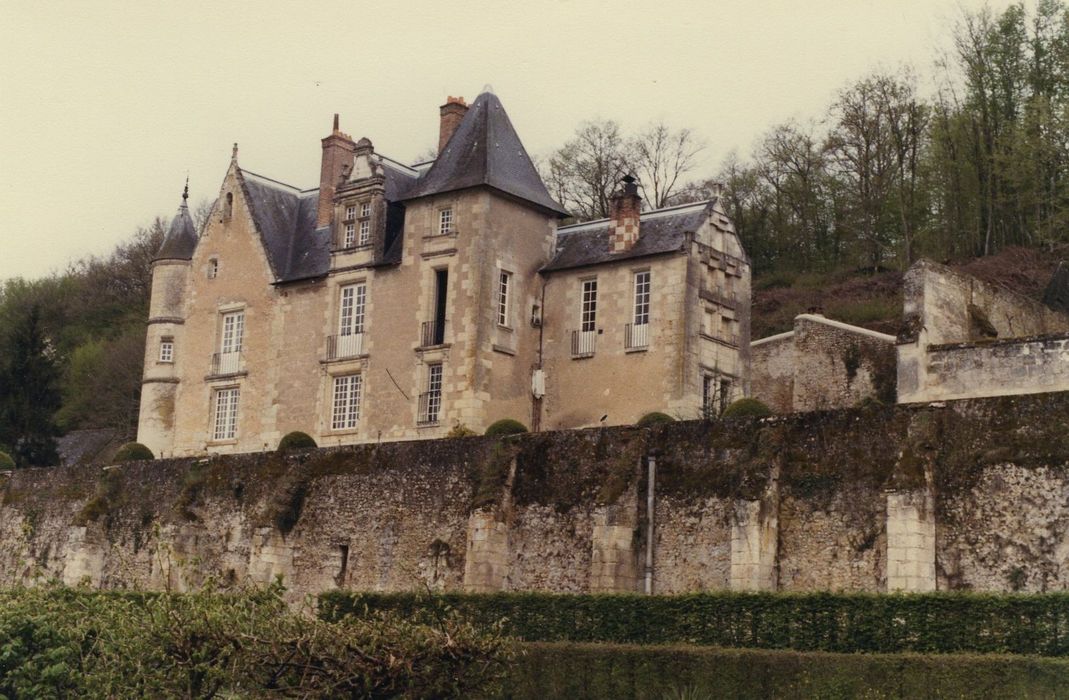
(997, 342)
(844, 327)
(773, 338)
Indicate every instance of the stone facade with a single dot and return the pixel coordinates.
(398, 302)
(969, 495)
(822, 364)
(964, 338)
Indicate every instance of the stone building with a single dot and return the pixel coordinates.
(398, 302)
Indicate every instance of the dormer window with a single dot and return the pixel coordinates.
(350, 212)
(365, 209)
(445, 221)
(350, 235)
(213, 268)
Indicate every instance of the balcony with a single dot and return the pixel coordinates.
(340, 347)
(430, 407)
(432, 333)
(718, 295)
(729, 339)
(636, 336)
(583, 343)
(225, 364)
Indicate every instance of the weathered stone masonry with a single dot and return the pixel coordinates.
(967, 495)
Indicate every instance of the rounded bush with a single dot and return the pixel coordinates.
(460, 430)
(6, 462)
(506, 426)
(747, 407)
(132, 452)
(296, 441)
(656, 418)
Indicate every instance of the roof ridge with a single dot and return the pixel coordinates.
(296, 189)
(651, 214)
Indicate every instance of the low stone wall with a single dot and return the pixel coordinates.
(994, 368)
(823, 364)
(973, 494)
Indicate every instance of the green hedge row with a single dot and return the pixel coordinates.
(936, 622)
(578, 671)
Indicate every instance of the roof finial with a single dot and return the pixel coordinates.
(234, 155)
(488, 88)
(185, 192)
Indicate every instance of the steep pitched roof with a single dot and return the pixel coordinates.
(485, 151)
(181, 238)
(285, 216)
(661, 231)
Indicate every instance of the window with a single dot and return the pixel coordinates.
(642, 298)
(166, 350)
(233, 332)
(365, 209)
(445, 221)
(504, 290)
(350, 235)
(213, 268)
(365, 231)
(589, 309)
(431, 400)
(716, 394)
(346, 402)
(350, 212)
(226, 414)
(351, 313)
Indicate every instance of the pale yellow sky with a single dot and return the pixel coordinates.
(105, 106)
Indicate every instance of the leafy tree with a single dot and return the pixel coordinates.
(29, 392)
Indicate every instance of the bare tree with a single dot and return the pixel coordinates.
(583, 174)
(660, 156)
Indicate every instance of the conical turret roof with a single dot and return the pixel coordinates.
(181, 238)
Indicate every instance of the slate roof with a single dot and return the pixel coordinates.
(181, 238)
(660, 231)
(485, 150)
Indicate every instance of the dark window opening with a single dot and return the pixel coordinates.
(441, 288)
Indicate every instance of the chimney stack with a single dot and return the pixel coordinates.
(624, 210)
(337, 156)
(452, 112)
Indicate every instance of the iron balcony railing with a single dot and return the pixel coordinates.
(432, 333)
(225, 363)
(636, 336)
(342, 346)
(430, 406)
(583, 343)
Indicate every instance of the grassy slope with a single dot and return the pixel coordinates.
(875, 300)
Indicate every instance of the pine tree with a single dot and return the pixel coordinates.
(29, 392)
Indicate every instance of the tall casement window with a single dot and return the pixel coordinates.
(637, 334)
(588, 312)
(346, 402)
(350, 234)
(231, 337)
(583, 339)
(166, 349)
(352, 301)
(504, 294)
(430, 401)
(350, 212)
(213, 268)
(365, 232)
(225, 418)
(445, 221)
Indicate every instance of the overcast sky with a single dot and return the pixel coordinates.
(106, 106)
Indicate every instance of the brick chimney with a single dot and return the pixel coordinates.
(337, 159)
(452, 112)
(624, 210)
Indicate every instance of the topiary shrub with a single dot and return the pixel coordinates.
(132, 452)
(747, 407)
(656, 418)
(296, 441)
(506, 426)
(460, 430)
(6, 462)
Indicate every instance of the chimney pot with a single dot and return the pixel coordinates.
(624, 211)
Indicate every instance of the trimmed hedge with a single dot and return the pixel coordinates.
(132, 452)
(296, 440)
(578, 671)
(747, 407)
(506, 426)
(656, 418)
(834, 622)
